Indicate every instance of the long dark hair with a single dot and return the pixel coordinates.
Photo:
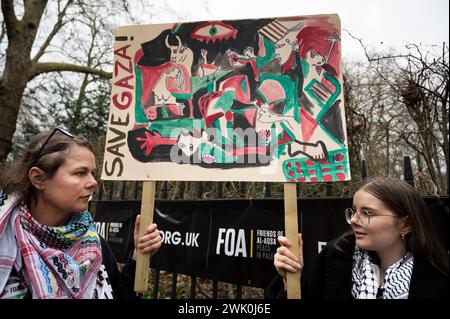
(48, 156)
(406, 201)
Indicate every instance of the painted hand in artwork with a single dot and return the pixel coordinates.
(266, 115)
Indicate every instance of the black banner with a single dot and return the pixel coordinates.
(114, 221)
(233, 240)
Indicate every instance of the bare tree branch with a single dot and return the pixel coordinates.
(56, 27)
(39, 68)
(9, 16)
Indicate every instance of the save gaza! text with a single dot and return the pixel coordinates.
(119, 119)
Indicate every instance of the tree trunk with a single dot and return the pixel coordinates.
(18, 65)
(444, 122)
(10, 97)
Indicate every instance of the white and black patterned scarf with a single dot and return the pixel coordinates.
(366, 274)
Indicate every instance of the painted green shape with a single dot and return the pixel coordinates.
(244, 86)
(164, 112)
(317, 167)
(225, 101)
(325, 106)
(139, 114)
(218, 153)
(230, 133)
(328, 105)
(287, 130)
(280, 148)
(222, 138)
(212, 30)
(176, 27)
(210, 87)
(171, 128)
(333, 97)
(296, 104)
(344, 163)
(308, 89)
(274, 138)
(205, 149)
(262, 97)
(182, 96)
(244, 109)
(305, 67)
(197, 83)
(270, 54)
(238, 140)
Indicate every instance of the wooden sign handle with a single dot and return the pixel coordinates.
(143, 261)
(291, 229)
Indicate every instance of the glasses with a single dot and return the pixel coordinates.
(363, 216)
(56, 129)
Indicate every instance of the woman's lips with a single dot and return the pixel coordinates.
(359, 234)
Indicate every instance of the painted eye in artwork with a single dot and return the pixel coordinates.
(214, 31)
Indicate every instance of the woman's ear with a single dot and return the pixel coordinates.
(405, 226)
(37, 177)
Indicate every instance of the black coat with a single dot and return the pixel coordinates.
(122, 282)
(331, 277)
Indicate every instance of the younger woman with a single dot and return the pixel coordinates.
(391, 253)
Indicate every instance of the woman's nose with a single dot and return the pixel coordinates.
(92, 181)
(355, 219)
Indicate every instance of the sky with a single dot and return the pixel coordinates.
(381, 24)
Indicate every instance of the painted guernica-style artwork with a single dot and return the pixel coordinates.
(241, 100)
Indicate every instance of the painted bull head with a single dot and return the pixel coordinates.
(180, 53)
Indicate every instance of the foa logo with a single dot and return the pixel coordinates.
(231, 242)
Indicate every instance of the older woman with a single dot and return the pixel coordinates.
(49, 247)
